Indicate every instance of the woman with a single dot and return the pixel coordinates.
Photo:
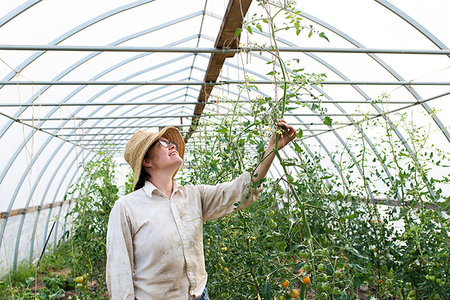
(155, 234)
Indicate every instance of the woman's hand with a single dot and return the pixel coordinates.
(288, 133)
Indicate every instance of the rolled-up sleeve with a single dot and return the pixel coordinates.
(222, 199)
(119, 245)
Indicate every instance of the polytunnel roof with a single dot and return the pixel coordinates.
(76, 75)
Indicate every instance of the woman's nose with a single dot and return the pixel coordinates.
(172, 146)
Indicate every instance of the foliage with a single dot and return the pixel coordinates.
(95, 197)
(46, 281)
(303, 226)
(83, 254)
(53, 288)
(318, 225)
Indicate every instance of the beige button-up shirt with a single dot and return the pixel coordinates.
(155, 243)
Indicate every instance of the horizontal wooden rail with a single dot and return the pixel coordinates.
(22, 211)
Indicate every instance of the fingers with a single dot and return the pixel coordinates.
(282, 123)
(290, 131)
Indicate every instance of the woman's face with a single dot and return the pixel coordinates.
(162, 158)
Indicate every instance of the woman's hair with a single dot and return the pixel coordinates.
(144, 176)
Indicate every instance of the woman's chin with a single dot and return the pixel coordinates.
(177, 162)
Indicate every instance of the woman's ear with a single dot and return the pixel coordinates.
(146, 163)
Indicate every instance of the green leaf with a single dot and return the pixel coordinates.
(222, 130)
(297, 28)
(259, 27)
(357, 282)
(266, 291)
(327, 121)
(299, 133)
(302, 291)
(281, 246)
(249, 29)
(322, 35)
(260, 147)
(237, 32)
(310, 33)
(299, 266)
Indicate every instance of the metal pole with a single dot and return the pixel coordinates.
(33, 127)
(97, 104)
(130, 133)
(187, 103)
(219, 50)
(46, 242)
(209, 83)
(112, 141)
(75, 118)
(114, 127)
(157, 126)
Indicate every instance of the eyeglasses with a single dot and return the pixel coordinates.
(166, 144)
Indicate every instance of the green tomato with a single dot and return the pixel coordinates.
(290, 178)
(308, 267)
(324, 252)
(304, 254)
(273, 225)
(322, 277)
(321, 267)
(325, 286)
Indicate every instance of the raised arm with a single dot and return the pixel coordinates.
(288, 133)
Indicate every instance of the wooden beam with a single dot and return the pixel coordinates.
(31, 209)
(232, 20)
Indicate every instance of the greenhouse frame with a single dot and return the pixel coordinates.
(356, 207)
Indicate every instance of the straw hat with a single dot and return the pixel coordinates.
(139, 143)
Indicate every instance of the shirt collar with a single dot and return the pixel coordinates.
(176, 187)
(149, 188)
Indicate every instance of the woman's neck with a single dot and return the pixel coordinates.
(163, 182)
